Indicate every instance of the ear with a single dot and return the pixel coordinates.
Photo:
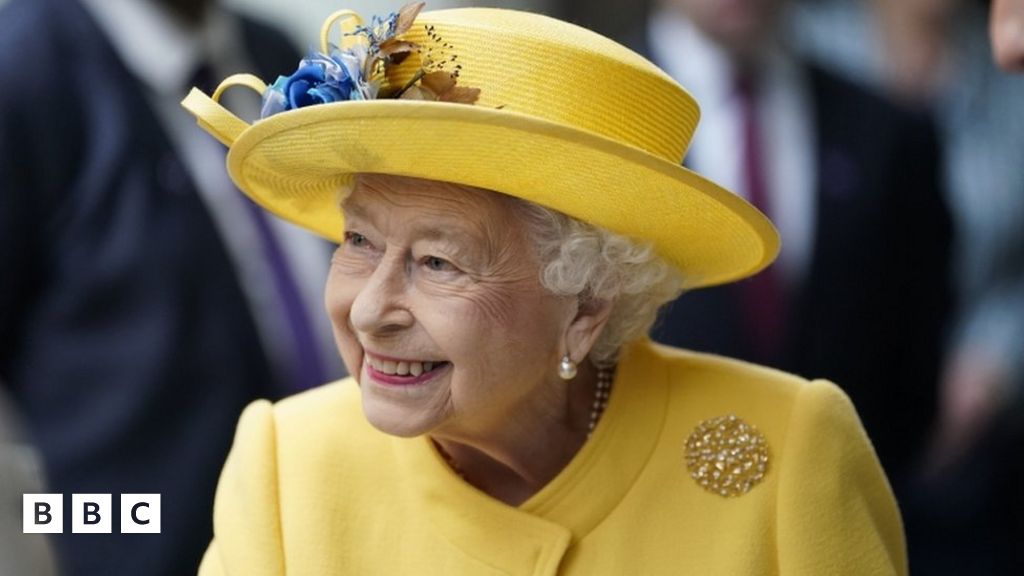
(584, 329)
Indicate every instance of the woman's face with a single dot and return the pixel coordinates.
(438, 310)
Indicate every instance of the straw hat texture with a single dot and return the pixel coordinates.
(565, 118)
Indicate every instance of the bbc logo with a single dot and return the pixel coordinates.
(90, 513)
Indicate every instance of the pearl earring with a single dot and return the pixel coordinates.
(566, 368)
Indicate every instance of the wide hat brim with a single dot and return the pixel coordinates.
(295, 163)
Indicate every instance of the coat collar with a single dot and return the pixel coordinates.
(537, 533)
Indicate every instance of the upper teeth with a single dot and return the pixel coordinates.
(401, 368)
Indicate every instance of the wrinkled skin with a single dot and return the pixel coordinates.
(438, 273)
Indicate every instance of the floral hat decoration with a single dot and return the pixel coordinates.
(509, 101)
(359, 70)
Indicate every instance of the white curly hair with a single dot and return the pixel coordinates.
(595, 264)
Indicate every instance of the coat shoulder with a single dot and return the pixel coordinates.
(727, 375)
(703, 387)
(332, 411)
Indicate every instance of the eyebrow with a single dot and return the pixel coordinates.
(354, 209)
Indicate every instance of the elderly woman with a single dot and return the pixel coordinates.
(511, 210)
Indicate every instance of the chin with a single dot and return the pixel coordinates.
(393, 420)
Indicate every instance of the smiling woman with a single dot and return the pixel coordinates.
(437, 273)
(441, 307)
(504, 249)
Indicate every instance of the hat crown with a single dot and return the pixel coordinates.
(542, 67)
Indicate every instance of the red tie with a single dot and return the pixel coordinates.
(764, 303)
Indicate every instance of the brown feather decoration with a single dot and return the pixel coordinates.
(397, 50)
(406, 16)
(443, 85)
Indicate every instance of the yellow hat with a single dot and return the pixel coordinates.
(564, 118)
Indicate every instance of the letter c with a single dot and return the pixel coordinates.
(135, 517)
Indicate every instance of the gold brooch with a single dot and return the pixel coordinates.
(727, 456)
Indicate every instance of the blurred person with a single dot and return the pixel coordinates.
(20, 473)
(860, 292)
(508, 413)
(142, 305)
(1006, 25)
(970, 507)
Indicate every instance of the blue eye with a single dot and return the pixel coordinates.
(437, 264)
(356, 239)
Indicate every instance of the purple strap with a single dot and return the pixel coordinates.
(306, 367)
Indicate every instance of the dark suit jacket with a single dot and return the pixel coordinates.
(124, 334)
(871, 309)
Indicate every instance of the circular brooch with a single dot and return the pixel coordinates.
(727, 456)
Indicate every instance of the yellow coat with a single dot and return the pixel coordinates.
(310, 488)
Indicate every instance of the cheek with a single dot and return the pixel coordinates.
(504, 293)
(339, 294)
(513, 325)
(494, 306)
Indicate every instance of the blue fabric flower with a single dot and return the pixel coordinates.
(300, 87)
(319, 79)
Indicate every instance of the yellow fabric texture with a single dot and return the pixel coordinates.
(310, 488)
(566, 118)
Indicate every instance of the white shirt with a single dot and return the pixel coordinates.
(163, 53)
(784, 110)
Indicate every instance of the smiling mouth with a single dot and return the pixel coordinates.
(402, 367)
(402, 372)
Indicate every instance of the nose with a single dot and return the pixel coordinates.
(380, 305)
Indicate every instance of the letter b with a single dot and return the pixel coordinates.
(42, 513)
(90, 513)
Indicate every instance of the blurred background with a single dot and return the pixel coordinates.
(302, 20)
(877, 134)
